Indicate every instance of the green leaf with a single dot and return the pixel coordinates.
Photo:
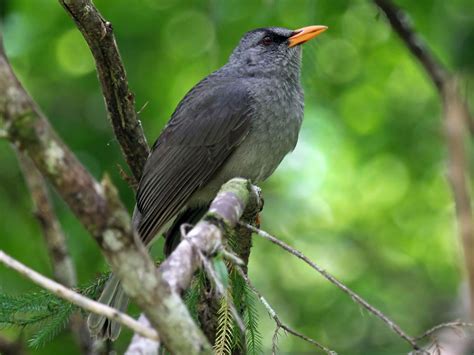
(221, 270)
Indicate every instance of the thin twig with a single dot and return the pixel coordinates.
(279, 323)
(77, 299)
(358, 299)
(275, 339)
(453, 325)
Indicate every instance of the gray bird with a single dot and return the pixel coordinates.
(240, 121)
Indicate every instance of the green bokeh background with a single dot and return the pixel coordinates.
(364, 194)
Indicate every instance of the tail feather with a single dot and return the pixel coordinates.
(113, 296)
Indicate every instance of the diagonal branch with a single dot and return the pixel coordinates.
(458, 123)
(100, 210)
(358, 299)
(450, 325)
(234, 197)
(279, 323)
(61, 262)
(120, 101)
(77, 299)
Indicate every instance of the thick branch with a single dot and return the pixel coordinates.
(240, 242)
(77, 299)
(119, 99)
(206, 237)
(99, 209)
(141, 345)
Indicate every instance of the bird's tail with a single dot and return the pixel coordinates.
(113, 296)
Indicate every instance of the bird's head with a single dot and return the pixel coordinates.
(272, 50)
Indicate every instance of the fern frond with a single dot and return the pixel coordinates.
(238, 285)
(224, 335)
(52, 328)
(252, 334)
(192, 296)
(42, 311)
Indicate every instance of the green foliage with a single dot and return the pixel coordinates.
(229, 335)
(43, 312)
(192, 296)
(221, 270)
(252, 334)
(225, 325)
(364, 193)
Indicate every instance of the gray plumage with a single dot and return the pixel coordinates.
(240, 121)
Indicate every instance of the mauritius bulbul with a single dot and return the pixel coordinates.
(240, 121)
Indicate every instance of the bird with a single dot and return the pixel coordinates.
(239, 121)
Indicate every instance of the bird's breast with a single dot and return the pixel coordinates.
(275, 124)
(274, 132)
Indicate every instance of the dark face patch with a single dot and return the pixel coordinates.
(272, 38)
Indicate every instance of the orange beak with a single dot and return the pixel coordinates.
(304, 34)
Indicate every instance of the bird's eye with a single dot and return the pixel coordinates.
(266, 41)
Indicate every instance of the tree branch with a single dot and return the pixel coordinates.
(206, 237)
(456, 130)
(141, 345)
(120, 101)
(452, 325)
(77, 299)
(240, 241)
(278, 322)
(61, 262)
(401, 24)
(63, 267)
(99, 209)
(355, 297)
(457, 123)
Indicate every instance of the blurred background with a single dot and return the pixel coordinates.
(365, 193)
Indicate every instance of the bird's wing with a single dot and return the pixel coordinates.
(208, 124)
